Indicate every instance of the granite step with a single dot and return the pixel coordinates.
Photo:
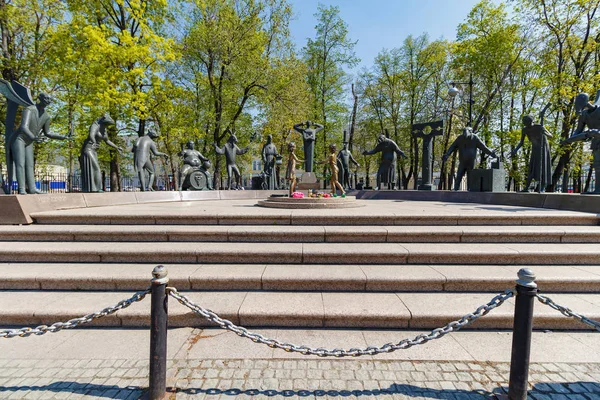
(298, 309)
(249, 215)
(304, 253)
(302, 234)
(332, 278)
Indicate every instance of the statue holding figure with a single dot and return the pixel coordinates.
(194, 172)
(91, 175)
(269, 158)
(332, 161)
(589, 116)
(290, 173)
(387, 169)
(344, 159)
(35, 124)
(309, 131)
(467, 145)
(540, 163)
(231, 150)
(142, 163)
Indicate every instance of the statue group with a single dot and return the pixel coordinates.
(34, 127)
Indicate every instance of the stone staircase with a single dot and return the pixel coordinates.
(386, 265)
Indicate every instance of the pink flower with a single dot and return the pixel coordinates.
(298, 195)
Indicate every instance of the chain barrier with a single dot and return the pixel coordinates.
(353, 352)
(568, 312)
(72, 323)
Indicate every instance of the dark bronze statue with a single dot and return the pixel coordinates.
(387, 168)
(231, 150)
(142, 163)
(540, 163)
(91, 175)
(35, 124)
(589, 116)
(308, 130)
(194, 173)
(427, 131)
(332, 161)
(269, 158)
(344, 159)
(467, 145)
(290, 173)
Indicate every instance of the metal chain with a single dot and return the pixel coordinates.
(353, 352)
(72, 323)
(567, 312)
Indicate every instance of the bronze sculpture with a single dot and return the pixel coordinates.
(142, 163)
(290, 173)
(91, 175)
(35, 123)
(589, 116)
(332, 161)
(194, 172)
(344, 159)
(427, 131)
(231, 150)
(540, 162)
(269, 157)
(309, 131)
(387, 168)
(467, 144)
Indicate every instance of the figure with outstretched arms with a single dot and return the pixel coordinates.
(309, 131)
(387, 169)
(142, 162)
(345, 157)
(231, 150)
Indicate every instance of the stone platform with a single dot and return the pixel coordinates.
(311, 202)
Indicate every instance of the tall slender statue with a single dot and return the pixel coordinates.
(540, 163)
(332, 161)
(231, 149)
(142, 163)
(91, 175)
(194, 172)
(589, 115)
(387, 169)
(467, 145)
(308, 130)
(344, 159)
(269, 156)
(290, 173)
(35, 123)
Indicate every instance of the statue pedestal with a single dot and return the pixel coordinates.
(308, 181)
(487, 180)
(427, 186)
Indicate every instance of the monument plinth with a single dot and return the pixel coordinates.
(308, 181)
(311, 202)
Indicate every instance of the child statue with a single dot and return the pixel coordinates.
(290, 173)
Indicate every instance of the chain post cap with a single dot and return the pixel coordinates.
(159, 274)
(526, 278)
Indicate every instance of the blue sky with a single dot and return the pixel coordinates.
(378, 24)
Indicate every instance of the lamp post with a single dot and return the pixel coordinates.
(454, 91)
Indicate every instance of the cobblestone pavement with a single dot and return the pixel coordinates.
(262, 378)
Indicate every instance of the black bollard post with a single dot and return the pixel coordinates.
(158, 334)
(521, 343)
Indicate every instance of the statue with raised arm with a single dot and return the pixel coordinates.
(344, 159)
(589, 116)
(91, 175)
(540, 163)
(142, 163)
(35, 124)
(290, 173)
(269, 157)
(387, 169)
(467, 145)
(231, 150)
(308, 130)
(194, 173)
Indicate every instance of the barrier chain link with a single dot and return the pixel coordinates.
(353, 352)
(568, 312)
(72, 323)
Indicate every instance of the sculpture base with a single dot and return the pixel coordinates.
(311, 202)
(486, 180)
(428, 186)
(308, 181)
